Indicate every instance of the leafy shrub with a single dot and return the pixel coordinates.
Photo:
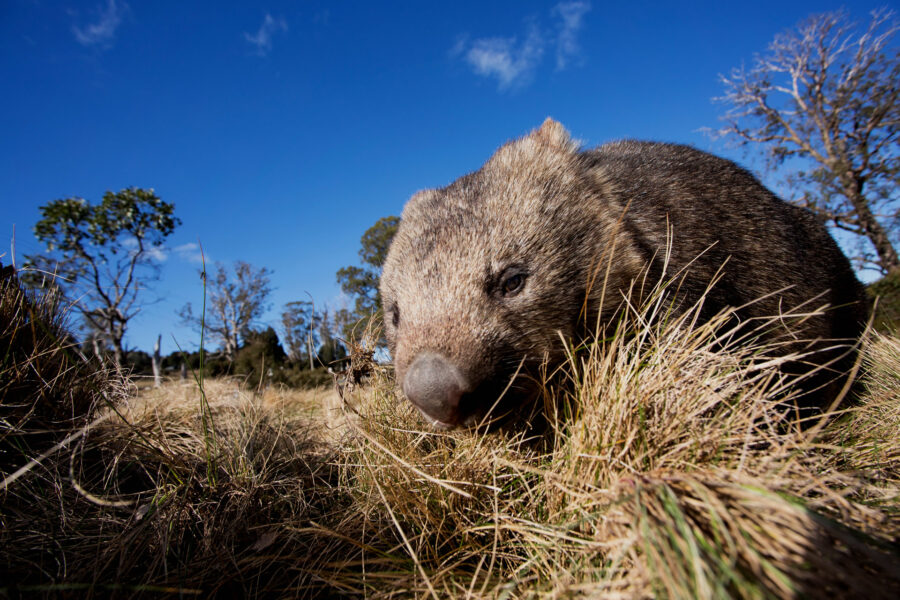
(887, 312)
(304, 378)
(261, 355)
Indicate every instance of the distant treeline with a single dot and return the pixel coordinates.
(261, 360)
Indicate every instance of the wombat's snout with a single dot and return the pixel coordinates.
(436, 387)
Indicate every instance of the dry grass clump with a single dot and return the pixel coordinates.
(668, 466)
(46, 386)
(866, 441)
(175, 494)
(674, 470)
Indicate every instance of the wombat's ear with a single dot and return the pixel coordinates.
(417, 203)
(553, 134)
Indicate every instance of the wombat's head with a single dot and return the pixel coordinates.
(485, 274)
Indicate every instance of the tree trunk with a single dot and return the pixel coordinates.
(887, 254)
(155, 361)
(118, 352)
(115, 333)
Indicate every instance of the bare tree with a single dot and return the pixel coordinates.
(298, 330)
(331, 350)
(102, 257)
(236, 302)
(824, 99)
(156, 361)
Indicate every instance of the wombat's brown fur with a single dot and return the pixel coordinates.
(487, 271)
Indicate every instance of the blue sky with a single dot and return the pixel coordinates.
(282, 130)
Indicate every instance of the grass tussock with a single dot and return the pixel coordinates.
(675, 470)
(669, 466)
(47, 388)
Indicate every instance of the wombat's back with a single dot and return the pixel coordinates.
(771, 257)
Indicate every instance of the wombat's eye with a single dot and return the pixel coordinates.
(395, 315)
(512, 284)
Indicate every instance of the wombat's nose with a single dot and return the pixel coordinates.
(435, 386)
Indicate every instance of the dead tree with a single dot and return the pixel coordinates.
(823, 101)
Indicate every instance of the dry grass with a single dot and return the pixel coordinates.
(674, 471)
(668, 467)
(46, 386)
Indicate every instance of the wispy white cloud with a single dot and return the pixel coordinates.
(102, 32)
(189, 252)
(570, 15)
(262, 39)
(154, 253)
(512, 62)
(157, 254)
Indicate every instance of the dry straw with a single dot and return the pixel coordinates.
(666, 464)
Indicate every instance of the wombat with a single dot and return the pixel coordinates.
(484, 274)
